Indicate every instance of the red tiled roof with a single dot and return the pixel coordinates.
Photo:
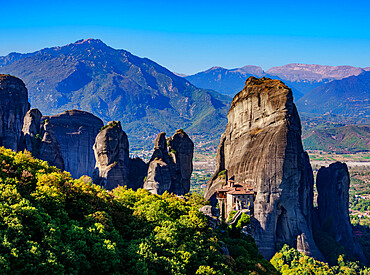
(237, 189)
(241, 192)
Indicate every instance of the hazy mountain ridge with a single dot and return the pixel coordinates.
(312, 72)
(117, 85)
(224, 80)
(349, 96)
(301, 78)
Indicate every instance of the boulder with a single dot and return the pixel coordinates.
(13, 107)
(212, 214)
(262, 146)
(333, 207)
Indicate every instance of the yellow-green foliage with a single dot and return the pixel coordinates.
(53, 224)
(222, 174)
(290, 261)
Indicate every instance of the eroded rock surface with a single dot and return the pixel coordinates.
(13, 107)
(31, 132)
(49, 148)
(333, 203)
(159, 177)
(138, 172)
(171, 164)
(181, 148)
(111, 150)
(262, 146)
(75, 132)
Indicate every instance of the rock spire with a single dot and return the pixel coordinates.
(262, 146)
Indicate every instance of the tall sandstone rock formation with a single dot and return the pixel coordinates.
(262, 146)
(75, 132)
(333, 203)
(171, 164)
(13, 107)
(113, 166)
(39, 139)
(111, 150)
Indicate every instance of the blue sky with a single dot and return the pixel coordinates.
(191, 36)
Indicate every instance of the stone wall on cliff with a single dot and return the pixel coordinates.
(13, 107)
(262, 146)
(171, 165)
(333, 207)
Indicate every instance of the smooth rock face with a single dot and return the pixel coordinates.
(111, 150)
(181, 148)
(159, 177)
(262, 146)
(13, 107)
(31, 131)
(138, 171)
(171, 164)
(75, 132)
(333, 203)
(49, 148)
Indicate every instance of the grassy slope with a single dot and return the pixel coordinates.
(345, 139)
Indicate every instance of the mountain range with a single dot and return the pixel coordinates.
(317, 89)
(116, 85)
(301, 78)
(349, 96)
(148, 99)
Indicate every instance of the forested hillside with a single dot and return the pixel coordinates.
(53, 224)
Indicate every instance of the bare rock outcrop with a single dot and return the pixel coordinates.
(171, 164)
(75, 132)
(13, 107)
(159, 177)
(333, 203)
(50, 148)
(31, 132)
(39, 138)
(111, 150)
(181, 148)
(138, 172)
(262, 146)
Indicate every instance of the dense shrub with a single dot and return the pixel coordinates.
(51, 223)
(290, 261)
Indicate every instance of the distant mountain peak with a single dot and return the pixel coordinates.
(250, 70)
(298, 72)
(180, 75)
(89, 41)
(215, 68)
(116, 85)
